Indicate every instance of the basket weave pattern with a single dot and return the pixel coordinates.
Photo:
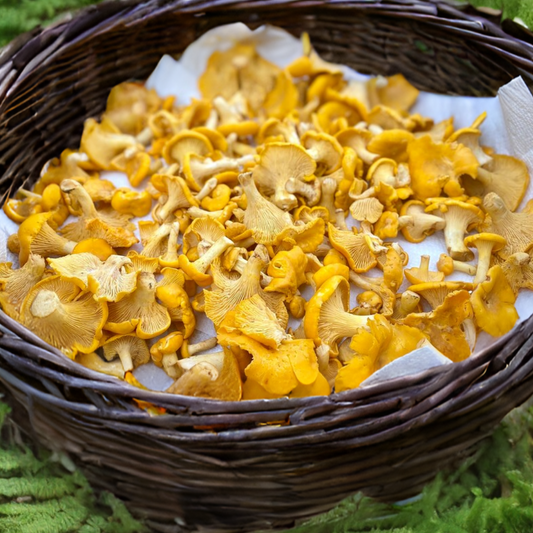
(261, 464)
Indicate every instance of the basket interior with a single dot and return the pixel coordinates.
(64, 76)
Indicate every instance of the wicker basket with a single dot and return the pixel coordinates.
(253, 464)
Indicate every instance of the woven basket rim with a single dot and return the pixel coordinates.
(121, 387)
(430, 11)
(95, 19)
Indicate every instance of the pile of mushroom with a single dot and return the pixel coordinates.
(270, 200)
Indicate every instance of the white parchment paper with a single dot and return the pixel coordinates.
(507, 130)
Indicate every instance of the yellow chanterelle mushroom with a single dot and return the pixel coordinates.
(113, 227)
(327, 319)
(16, 283)
(57, 311)
(249, 242)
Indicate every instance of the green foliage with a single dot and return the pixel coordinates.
(41, 496)
(510, 8)
(18, 16)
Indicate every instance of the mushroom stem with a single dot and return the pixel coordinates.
(188, 350)
(375, 129)
(208, 167)
(322, 250)
(314, 152)
(322, 355)
(329, 187)
(81, 196)
(151, 247)
(453, 236)
(305, 114)
(207, 189)
(171, 170)
(424, 266)
(310, 192)
(175, 197)
(291, 134)
(131, 152)
(172, 244)
(447, 265)
(406, 304)
(418, 224)
(212, 122)
(340, 221)
(365, 155)
(171, 366)
(369, 193)
(346, 353)
(348, 324)
(222, 215)
(240, 266)
(214, 358)
(374, 243)
(145, 136)
(202, 247)
(247, 243)
(404, 221)
(469, 327)
(521, 258)
(197, 212)
(124, 355)
(363, 282)
(35, 235)
(226, 112)
(284, 200)
(216, 250)
(484, 250)
(28, 194)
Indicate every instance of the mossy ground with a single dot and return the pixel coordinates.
(490, 493)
